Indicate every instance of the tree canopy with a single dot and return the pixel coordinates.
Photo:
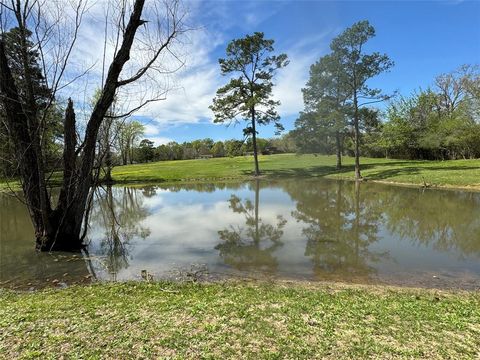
(336, 91)
(248, 94)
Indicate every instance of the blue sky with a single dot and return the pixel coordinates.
(424, 38)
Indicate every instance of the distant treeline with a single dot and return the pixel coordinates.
(205, 148)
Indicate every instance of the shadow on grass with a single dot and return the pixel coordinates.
(399, 169)
(413, 170)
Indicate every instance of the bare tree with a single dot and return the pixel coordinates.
(144, 39)
(455, 87)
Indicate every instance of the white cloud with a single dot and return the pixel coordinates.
(191, 89)
(189, 102)
(293, 77)
(257, 12)
(289, 83)
(159, 140)
(151, 129)
(251, 19)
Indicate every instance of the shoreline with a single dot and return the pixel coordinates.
(449, 175)
(470, 188)
(340, 284)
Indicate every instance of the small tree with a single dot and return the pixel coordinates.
(145, 151)
(107, 135)
(233, 147)
(348, 48)
(249, 95)
(218, 150)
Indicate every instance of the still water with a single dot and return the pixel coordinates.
(312, 230)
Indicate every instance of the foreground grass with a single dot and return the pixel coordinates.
(235, 320)
(454, 173)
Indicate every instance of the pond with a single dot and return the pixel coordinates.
(315, 230)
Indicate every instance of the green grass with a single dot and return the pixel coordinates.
(7, 185)
(454, 173)
(234, 320)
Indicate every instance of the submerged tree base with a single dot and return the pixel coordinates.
(60, 243)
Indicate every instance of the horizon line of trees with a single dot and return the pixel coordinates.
(207, 147)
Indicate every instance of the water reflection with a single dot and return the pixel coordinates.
(252, 246)
(20, 265)
(342, 226)
(311, 229)
(120, 217)
(446, 221)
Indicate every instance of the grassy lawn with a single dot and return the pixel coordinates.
(233, 320)
(7, 185)
(454, 173)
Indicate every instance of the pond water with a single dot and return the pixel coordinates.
(316, 230)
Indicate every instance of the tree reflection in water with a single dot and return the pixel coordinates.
(444, 220)
(342, 225)
(338, 232)
(119, 211)
(251, 247)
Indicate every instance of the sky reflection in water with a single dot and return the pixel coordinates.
(303, 229)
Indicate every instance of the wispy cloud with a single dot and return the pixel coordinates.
(159, 140)
(292, 79)
(192, 88)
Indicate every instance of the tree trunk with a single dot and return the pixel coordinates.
(254, 141)
(339, 150)
(67, 216)
(18, 125)
(30, 110)
(108, 167)
(125, 154)
(131, 149)
(356, 120)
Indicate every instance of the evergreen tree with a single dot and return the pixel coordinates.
(249, 94)
(358, 67)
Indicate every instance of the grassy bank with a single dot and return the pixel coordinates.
(238, 321)
(454, 173)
